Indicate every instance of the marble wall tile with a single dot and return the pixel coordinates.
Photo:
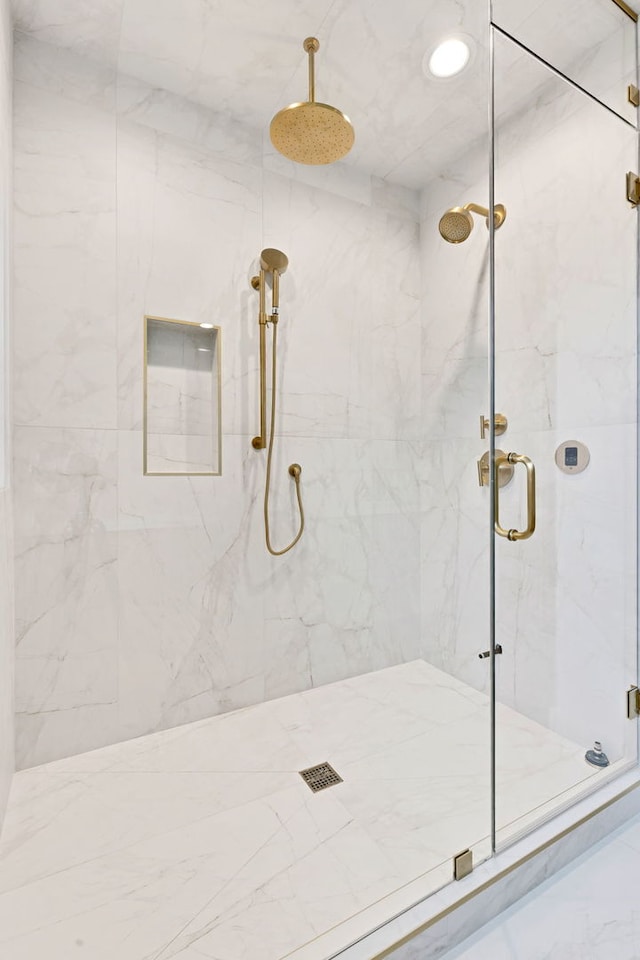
(188, 235)
(73, 76)
(7, 664)
(97, 23)
(66, 591)
(222, 135)
(7, 753)
(346, 600)
(191, 572)
(371, 330)
(454, 587)
(64, 234)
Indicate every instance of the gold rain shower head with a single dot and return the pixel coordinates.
(457, 223)
(312, 132)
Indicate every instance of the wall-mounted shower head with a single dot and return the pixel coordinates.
(457, 223)
(312, 132)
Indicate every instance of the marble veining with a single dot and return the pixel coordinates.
(204, 841)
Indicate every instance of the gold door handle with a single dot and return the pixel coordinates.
(531, 497)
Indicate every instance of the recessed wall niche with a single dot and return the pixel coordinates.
(182, 426)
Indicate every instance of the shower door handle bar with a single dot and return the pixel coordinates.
(531, 497)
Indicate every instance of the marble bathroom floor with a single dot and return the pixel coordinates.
(203, 840)
(590, 910)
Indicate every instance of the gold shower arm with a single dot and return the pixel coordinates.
(311, 45)
(499, 213)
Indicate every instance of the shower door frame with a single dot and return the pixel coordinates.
(597, 788)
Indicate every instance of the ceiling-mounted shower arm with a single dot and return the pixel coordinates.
(311, 46)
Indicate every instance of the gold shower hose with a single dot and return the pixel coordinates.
(295, 468)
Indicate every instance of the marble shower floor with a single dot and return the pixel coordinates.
(203, 840)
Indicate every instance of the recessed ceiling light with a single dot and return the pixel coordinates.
(449, 57)
(207, 326)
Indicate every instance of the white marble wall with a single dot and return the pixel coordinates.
(6, 548)
(565, 370)
(145, 602)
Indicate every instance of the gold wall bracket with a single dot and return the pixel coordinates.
(462, 865)
(633, 94)
(500, 424)
(633, 188)
(633, 703)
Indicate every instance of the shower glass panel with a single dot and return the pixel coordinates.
(593, 42)
(565, 378)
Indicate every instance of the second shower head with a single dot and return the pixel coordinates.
(457, 223)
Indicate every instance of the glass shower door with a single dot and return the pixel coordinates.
(565, 382)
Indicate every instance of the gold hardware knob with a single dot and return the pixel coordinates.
(500, 425)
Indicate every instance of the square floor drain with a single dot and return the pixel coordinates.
(320, 777)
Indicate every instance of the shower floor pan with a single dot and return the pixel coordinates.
(204, 841)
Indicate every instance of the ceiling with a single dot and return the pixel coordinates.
(244, 58)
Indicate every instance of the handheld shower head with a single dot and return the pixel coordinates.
(272, 259)
(457, 223)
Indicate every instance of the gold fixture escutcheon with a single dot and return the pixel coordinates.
(505, 471)
(500, 424)
(633, 703)
(633, 94)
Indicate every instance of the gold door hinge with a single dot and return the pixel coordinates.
(462, 865)
(633, 94)
(633, 188)
(633, 703)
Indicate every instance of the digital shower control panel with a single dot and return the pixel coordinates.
(572, 456)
